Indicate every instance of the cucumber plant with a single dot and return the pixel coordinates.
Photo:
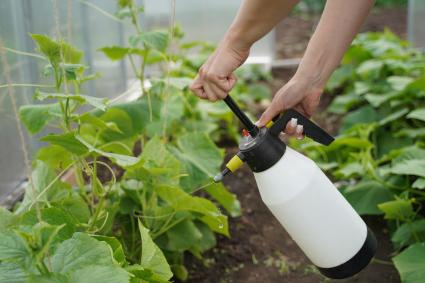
(379, 155)
(133, 227)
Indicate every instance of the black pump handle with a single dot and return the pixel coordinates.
(250, 127)
(311, 130)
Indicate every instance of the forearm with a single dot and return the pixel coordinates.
(256, 18)
(338, 25)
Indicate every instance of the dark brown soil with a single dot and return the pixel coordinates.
(260, 250)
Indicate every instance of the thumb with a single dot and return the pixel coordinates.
(268, 115)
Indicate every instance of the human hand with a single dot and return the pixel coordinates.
(215, 78)
(299, 93)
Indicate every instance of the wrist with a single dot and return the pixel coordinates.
(311, 75)
(235, 39)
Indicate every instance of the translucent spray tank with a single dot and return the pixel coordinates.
(307, 204)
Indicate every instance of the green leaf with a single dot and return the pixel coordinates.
(180, 271)
(411, 133)
(409, 233)
(208, 240)
(7, 219)
(366, 196)
(122, 121)
(410, 167)
(67, 141)
(49, 278)
(409, 153)
(13, 248)
(350, 169)
(228, 200)
(182, 201)
(339, 77)
(365, 114)
(52, 50)
(200, 157)
(101, 274)
(157, 40)
(397, 209)
(418, 114)
(53, 216)
(370, 68)
(97, 102)
(411, 263)
(394, 116)
(80, 251)
(183, 236)
(115, 52)
(377, 100)
(119, 159)
(55, 156)
(152, 257)
(35, 117)
(117, 249)
(12, 273)
(48, 47)
(75, 207)
(341, 104)
(419, 184)
(137, 111)
(399, 83)
(42, 177)
(158, 160)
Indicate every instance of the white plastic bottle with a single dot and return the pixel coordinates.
(312, 210)
(315, 214)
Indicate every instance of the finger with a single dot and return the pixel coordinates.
(199, 92)
(218, 92)
(299, 132)
(197, 88)
(210, 94)
(224, 83)
(232, 80)
(291, 127)
(268, 115)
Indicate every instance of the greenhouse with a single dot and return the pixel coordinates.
(212, 141)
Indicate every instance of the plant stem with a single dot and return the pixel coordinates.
(133, 233)
(24, 53)
(133, 66)
(134, 16)
(142, 82)
(26, 85)
(380, 261)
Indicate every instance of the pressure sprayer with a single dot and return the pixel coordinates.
(307, 204)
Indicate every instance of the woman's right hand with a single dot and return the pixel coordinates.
(216, 77)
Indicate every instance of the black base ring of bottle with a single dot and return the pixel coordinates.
(356, 263)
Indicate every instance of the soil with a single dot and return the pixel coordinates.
(260, 250)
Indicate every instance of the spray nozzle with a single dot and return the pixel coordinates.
(234, 164)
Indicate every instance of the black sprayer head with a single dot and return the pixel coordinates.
(263, 147)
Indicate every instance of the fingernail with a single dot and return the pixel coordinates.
(299, 129)
(300, 137)
(293, 122)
